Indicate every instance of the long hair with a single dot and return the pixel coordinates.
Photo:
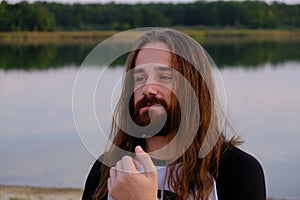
(189, 175)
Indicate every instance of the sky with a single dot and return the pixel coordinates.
(139, 1)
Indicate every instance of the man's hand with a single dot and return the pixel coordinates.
(127, 183)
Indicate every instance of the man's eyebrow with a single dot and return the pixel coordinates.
(163, 68)
(139, 70)
(157, 68)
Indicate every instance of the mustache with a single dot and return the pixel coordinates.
(149, 101)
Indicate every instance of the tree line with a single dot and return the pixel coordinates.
(44, 16)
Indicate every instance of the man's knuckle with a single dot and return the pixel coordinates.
(111, 171)
(120, 182)
(146, 156)
(118, 163)
(127, 176)
(155, 173)
(126, 158)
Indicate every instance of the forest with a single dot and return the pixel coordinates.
(42, 16)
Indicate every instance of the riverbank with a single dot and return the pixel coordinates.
(10, 192)
(98, 36)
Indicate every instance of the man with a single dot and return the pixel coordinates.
(176, 148)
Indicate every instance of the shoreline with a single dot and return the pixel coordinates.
(18, 192)
(35, 37)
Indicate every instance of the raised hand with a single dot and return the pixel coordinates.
(126, 182)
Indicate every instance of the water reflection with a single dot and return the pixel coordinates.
(253, 54)
(37, 57)
(247, 54)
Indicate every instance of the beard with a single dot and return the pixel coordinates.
(142, 117)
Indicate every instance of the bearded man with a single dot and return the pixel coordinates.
(176, 147)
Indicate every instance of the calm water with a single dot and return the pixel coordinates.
(39, 144)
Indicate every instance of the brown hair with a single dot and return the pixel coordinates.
(189, 175)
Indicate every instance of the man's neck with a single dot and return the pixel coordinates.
(155, 144)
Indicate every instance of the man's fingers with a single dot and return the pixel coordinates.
(145, 159)
(109, 184)
(136, 164)
(112, 172)
(129, 165)
(119, 166)
(112, 178)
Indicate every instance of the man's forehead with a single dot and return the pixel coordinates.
(153, 55)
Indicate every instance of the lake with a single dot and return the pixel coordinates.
(39, 143)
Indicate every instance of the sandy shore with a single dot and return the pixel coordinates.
(10, 192)
(38, 193)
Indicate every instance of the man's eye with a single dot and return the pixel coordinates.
(140, 79)
(165, 77)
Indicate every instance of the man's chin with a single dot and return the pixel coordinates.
(157, 127)
(156, 118)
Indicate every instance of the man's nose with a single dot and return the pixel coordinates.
(150, 89)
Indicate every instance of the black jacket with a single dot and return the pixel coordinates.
(240, 177)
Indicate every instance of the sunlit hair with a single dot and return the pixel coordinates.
(189, 175)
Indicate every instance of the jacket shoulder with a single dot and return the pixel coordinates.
(240, 176)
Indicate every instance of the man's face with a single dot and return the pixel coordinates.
(153, 77)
